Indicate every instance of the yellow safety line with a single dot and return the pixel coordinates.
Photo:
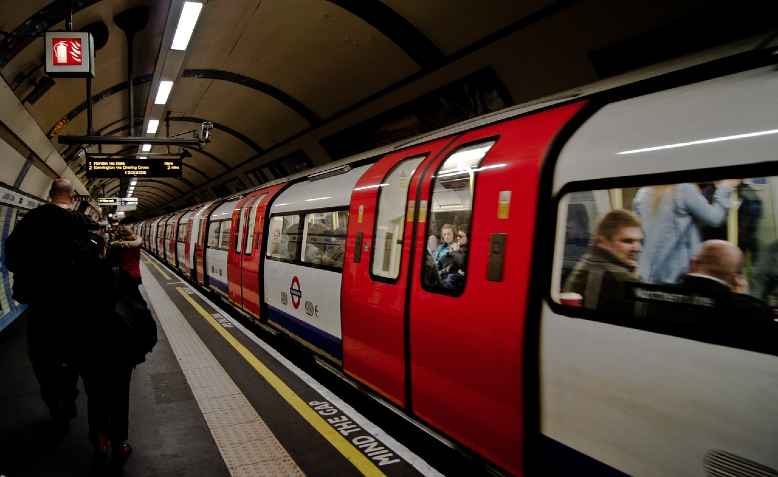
(362, 463)
(159, 269)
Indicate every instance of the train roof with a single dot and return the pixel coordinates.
(745, 47)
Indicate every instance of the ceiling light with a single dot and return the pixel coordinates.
(163, 92)
(186, 23)
(133, 181)
(152, 127)
(146, 148)
(142, 157)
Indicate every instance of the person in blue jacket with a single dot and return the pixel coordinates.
(671, 215)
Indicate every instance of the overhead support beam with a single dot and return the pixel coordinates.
(32, 28)
(395, 27)
(268, 89)
(138, 141)
(102, 95)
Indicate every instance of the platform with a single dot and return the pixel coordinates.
(212, 399)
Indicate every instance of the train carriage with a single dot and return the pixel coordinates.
(434, 274)
(218, 233)
(307, 228)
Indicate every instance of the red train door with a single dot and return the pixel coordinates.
(375, 270)
(251, 261)
(469, 292)
(201, 239)
(235, 249)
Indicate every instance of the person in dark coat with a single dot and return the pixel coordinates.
(108, 372)
(733, 316)
(46, 252)
(600, 275)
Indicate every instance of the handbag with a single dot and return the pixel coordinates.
(136, 320)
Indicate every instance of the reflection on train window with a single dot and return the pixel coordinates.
(283, 237)
(390, 223)
(225, 234)
(182, 231)
(325, 238)
(213, 234)
(252, 224)
(448, 234)
(241, 228)
(698, 260)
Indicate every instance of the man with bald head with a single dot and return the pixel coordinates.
(733, 317)
(45, 252)
(717, 266)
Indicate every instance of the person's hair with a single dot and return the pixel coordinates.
(447, 226)
(61, 187)
(614, 221)
(124, 234)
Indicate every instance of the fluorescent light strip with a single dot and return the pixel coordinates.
(145, 148)
(701, 141)
(163, 92)
(186, 23)
(152, 126)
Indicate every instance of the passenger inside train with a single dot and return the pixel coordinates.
(685, 258)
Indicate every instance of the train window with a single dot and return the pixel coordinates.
(324, 238)
(213, 235)
(224, 241)
(691, 259)
(252, 223)
(284, 237)
(182, 231)
(390, 223)
(239, 230)
(445, 259)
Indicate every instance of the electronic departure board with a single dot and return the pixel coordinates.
(113, 168)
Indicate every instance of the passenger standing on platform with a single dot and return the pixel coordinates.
(670, 215)
(46, 252)
(600, 275)
(108, 372)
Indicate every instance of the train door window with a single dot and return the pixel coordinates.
(284, 237)
(224, 241)
(213, 235)
(692, 259)
(182, 230)
(390, 221)
(240, 230)
(253, 223)
(448, 225)
(324, 238)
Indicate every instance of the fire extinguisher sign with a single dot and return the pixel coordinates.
(69, 54)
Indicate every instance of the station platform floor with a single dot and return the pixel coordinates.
(215, 398)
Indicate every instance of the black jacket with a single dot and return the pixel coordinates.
(47, 252)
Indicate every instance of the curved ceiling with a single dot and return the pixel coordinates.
(278, 75)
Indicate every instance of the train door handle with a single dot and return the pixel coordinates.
(358, 247)
(496, 257)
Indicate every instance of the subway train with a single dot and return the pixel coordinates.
(432, 272)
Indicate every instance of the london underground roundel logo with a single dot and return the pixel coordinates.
(296, 292)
